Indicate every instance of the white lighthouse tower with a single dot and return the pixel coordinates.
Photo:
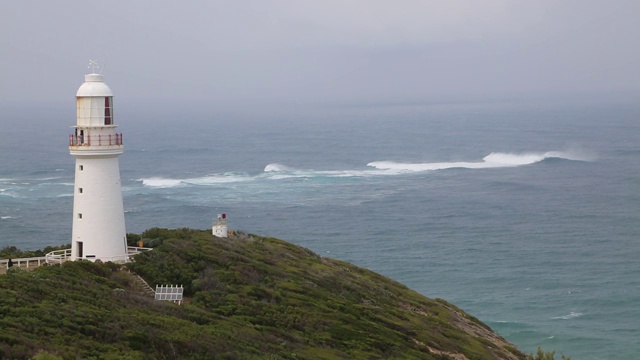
(98, 213)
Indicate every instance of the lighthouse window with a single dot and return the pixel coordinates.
(80, 190)
(81, 167)
(108, 116)
(79, 215)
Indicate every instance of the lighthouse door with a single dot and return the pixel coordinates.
(79, 247)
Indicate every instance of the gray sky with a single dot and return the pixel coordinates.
(217, 53)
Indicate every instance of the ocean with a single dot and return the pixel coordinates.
(525, 215)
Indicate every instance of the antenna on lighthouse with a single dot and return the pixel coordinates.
(93, 65)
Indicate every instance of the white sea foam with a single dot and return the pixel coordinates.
(6, 217)
(203, 181)
(276, 171)
(218, 179)
(287, 176)
(161, 182)
(277, 167)
(571, 315)
(45, 178)
(313, 174)
(493, 160)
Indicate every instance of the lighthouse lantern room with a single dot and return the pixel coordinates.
(98, 212)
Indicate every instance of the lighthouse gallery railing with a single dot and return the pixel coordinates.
(95, 140)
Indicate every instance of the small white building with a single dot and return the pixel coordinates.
(220, 228)
(98, 212)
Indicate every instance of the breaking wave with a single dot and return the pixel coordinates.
(276, 167)
(493, 160)
(278, 171)
(161, 182)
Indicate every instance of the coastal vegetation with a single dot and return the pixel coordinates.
(246, 297)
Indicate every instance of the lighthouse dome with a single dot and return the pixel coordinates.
(93, 86)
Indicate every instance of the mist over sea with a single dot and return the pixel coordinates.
(526, 216)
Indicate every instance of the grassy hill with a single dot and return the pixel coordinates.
(248, 297)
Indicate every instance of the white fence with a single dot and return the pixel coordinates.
(60, 256)
(32, 262)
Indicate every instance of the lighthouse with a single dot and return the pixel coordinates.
(98, 213)
(219, 227)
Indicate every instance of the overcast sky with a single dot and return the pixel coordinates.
(212, 53)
